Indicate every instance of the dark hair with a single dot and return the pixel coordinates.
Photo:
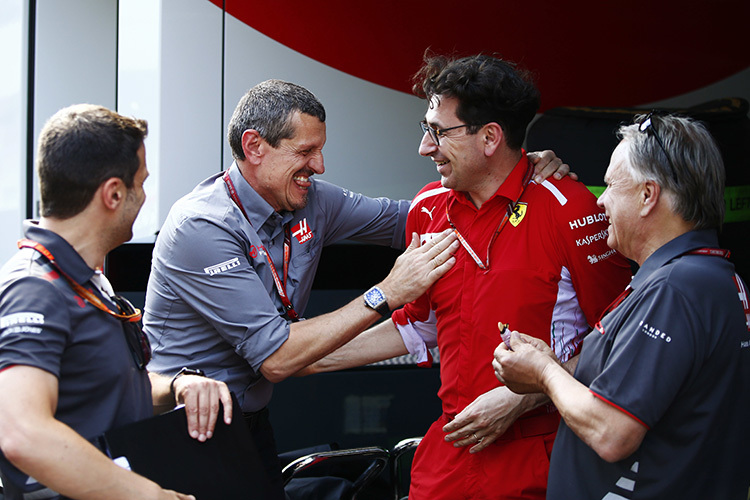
(267, 108)
(488, 89)
(696, 185)
(80, 147)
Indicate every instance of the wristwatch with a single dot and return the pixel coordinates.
(185, 371)
(375, 299)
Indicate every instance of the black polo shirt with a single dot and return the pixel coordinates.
(675, 354)
(45, 324)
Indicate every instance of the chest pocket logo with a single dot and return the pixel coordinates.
(518, 214)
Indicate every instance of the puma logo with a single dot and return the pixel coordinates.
(428, 212)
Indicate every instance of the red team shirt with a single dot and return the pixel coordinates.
(550, 275)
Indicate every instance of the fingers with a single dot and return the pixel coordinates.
(226, 402)
(202, 397)
(478, 439)
(547, 164)
(441, 250)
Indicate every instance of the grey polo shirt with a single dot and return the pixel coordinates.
(675, 354)
(211, 301)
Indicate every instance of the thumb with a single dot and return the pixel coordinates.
(414, 242)
(515, 338)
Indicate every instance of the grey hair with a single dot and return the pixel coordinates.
(696, 186)
(268, 108)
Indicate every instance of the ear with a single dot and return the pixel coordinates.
(492, 136)
(649, 196)
(251, 145)
(112, 193)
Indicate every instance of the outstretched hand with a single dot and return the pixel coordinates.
(419, 267)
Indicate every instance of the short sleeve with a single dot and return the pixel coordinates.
(652, 354)
(208, 266)
(34, 328)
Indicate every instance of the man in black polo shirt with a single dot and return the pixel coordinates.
(659, 402)
(72, 358)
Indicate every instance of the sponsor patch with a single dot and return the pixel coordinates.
(593, 259)
(589, 219)
(654, 332)
(21, 318)
(518, 214)
(601, 235)
(222, 266)
(302, 231)
(428, 212)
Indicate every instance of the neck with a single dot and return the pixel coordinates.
(500, 166)
(85, 238)
(659, 233)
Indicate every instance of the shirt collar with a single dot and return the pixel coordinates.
(258, 210)
(64, 254)
(692, 240)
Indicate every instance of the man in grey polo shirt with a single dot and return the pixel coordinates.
(659, 402)
(234, 263)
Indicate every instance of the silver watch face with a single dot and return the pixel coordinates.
(374, 297)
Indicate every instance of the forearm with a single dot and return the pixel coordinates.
(412, 274)
(62, 460)
(312, 339)
(610, 432)
(380, 342)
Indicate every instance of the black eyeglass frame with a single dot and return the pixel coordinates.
(647, 127)
(435, 132)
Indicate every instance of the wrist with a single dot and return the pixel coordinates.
(376, 299)
(184, 371)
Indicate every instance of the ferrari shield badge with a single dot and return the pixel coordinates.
(518, 214)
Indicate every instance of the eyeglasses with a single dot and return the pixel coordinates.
(648, 128)
(435, 132)
(140, 347)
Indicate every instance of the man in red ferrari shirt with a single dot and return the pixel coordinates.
(534, 256)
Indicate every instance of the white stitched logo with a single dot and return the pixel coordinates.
(21, 323)
(22, 318)
(428, 212)
(222, 266)
(589, 219)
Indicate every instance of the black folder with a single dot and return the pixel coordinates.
(225, 467)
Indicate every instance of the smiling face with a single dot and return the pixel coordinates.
(620, 202)
(282, 177)
(460, 156)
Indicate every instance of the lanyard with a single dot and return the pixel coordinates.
(82, 292)
(508, 212)
(280, 284)
(711, 252)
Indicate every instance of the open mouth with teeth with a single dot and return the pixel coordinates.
(303, 181)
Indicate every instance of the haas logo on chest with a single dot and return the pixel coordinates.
(302, 231)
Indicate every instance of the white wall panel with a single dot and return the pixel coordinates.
(76, 57)
(191, 128)
(13, 60)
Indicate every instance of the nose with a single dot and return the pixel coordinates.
(601, 201)
(316, 163)
(427, 147)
